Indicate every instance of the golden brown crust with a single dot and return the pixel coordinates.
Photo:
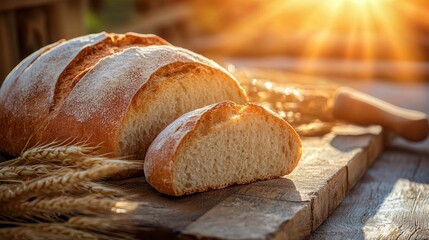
(25, 108)
(160, 161)
(91, 55)
(30, 99)
(6, 120)
(97, 130)
(47, 102)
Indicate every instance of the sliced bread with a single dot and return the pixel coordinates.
(220, 145)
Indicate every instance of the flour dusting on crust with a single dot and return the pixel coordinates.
(114, 80)
(37, 82)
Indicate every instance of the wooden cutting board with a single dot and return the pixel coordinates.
(290, 207)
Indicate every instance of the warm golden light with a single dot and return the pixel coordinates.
(369, 32)
(124, 207)
(368, 28)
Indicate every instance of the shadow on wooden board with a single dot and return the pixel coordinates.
(254, 204)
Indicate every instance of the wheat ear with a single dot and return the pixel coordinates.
(105, 225)
(51, 153)
(55, 184)
(61, 152)
(26, 172)
(77, 189)
(45, 231)
(102, 189)
(93, 161)
(62, 205)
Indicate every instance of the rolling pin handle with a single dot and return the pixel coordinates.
(359, 108)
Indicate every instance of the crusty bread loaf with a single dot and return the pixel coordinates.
(116, 90)
(220, 145)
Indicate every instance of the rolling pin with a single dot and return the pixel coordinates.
(326, 102)
(362, 109)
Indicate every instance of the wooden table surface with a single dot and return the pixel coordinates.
(391, 201)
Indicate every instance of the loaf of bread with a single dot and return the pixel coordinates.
(116, 91)
(221, 145)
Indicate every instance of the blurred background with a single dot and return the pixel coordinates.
(355, 39)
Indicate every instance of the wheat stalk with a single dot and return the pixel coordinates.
(82, 162)
(55, 184)
(97, 161)
(61, 152)
(77, 189)
(52, 170)
(26, 172)
(54, 150)
(105, 225)
(102, 189)
(45, 231)
(52, 153)
(63, 205)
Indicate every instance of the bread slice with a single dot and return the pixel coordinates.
(221, 145)
(117, 91)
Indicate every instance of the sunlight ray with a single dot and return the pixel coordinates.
(246, 30)
(397, 33)
(320, 42)
(415, 13)
(368, 44)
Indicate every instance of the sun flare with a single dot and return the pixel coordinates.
(370, 32)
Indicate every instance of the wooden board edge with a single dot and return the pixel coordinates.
(330, 196)
(231, 213)
(366, 155)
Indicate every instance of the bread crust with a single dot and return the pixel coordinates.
(161, 157)
(25, 99)
(35, 110)
(159, 161)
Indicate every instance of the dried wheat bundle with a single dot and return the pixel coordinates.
(102, 189)
(60, 183)
(27, 172)
(63, 205)
(53, 152)
(49, 184)
(45, 231)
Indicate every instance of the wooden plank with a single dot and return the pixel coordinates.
(157, 18)
(391, 202)
(163, 214)
(8, 43)
(33, 31)
(9, 5)
(343, 155)
(65, 19)
(247, 217)
(286, 208)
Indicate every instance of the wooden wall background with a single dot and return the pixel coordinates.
(27, 25)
